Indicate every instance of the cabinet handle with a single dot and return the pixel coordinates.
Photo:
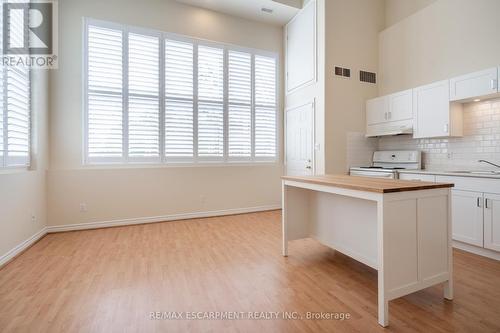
(486, 203)
(479, 202)
(385, 115)
(389, 115)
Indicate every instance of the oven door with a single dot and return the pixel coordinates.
(373, 174)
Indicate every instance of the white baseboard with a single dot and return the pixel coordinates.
(22, 246)
(477, 250)
(154, 219)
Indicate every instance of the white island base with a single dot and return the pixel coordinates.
(403, 233)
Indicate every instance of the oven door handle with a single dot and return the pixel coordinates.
(373, 174)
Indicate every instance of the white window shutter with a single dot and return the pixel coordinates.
(105, 99)
(18, 116)
(210, 102)
(143, 97)
(240, 104)
(179, 114)
(2, 117)
(154, 97)
(265, 107)
(15, 103)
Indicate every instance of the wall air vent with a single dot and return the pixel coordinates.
(345, 72)
(367, 77)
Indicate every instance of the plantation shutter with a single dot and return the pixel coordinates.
(265, 106)
(179, 116)
(15, 104)
(105, 94)
(2, 107)
(18, 116)
(239, 104)
(210, 102)
(157, 97)
(143, 97)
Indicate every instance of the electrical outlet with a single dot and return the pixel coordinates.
(83, 208)
(449, 156)
(33, 218)
(203, 199)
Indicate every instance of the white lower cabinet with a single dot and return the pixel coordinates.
(467, 217)
(492, 221)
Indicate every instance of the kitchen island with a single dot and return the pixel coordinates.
(400, 228)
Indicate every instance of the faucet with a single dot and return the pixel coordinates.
(484, 161)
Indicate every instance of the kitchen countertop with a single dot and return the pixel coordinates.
(450, 173)
(368, 184)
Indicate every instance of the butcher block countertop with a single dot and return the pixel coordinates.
(368, 184)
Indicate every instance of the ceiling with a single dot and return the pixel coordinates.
(283, 10)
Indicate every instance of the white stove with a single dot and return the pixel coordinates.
(387, 163)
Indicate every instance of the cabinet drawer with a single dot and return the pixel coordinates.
(419, 177)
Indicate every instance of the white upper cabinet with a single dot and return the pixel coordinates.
(434, 116)
(390, 114)
(377, 110)
(400, 106)
(301, 48)
(474, 85)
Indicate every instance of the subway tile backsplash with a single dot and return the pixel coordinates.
(481, 140)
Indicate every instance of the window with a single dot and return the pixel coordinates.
(14, 109)
(158, 97)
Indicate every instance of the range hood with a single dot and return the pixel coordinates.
(390, 128)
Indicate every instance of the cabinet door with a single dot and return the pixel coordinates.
(467, 217)
(473, 85)
(377, 110)
(401, 106)
(492, 221)
(301, 48)
(431, 107)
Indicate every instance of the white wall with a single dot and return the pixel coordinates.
(397, 10)
(444, 39)
(135, 192)
(352, 29)
(23, 192)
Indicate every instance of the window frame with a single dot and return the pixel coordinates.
(196, 42)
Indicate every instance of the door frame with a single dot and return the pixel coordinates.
(311, 102)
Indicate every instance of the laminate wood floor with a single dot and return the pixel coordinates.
(110, 280)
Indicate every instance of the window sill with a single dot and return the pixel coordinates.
(14, 170)
(203, 164)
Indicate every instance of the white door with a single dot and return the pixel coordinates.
(492, 221)
(299, 140)
(431, 107)
(400, 106)
(475, 84)
(467, 217)
(377, 110)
